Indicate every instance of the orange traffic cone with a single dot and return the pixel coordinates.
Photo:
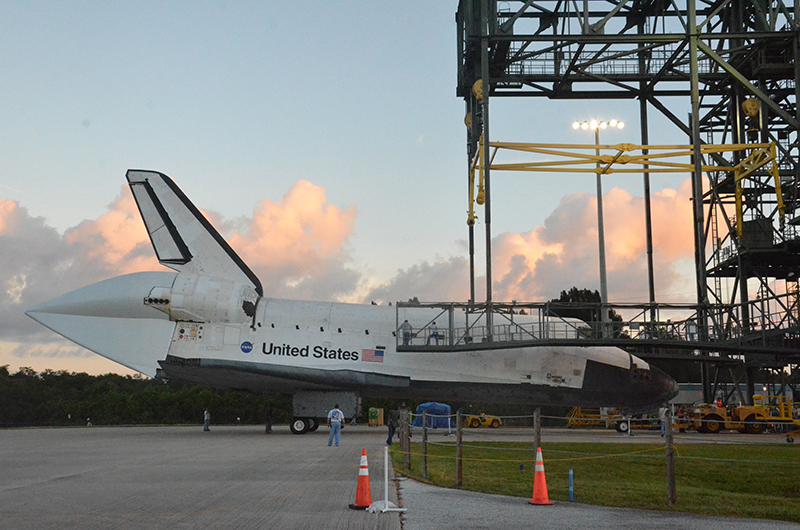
(539, 482)
(363, 495)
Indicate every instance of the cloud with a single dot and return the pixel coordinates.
(37, 263)
(56, 354)
(33, 264)
(564, 252)
(538, 264)
(116, 241)
(441, 281)
(299, 247)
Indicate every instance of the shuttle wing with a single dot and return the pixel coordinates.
(182, 237)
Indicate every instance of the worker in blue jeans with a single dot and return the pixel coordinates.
(335, 420)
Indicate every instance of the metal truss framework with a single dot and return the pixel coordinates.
(735, 61)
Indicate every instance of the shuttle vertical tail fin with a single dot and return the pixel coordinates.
(182, 237)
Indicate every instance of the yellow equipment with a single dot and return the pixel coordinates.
(752, 419)
(783, 413)
(746, 419)
(482, 420)
(580, 417)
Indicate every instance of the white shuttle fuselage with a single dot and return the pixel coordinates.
(209, 323)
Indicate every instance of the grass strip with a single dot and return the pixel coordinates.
(748, 480)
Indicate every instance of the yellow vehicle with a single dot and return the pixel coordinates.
(752, 419)
(745, 419)
(784, 414)
(482, 420)
(580, 417)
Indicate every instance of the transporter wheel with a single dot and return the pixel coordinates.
(752, 425)
(713, 423)
(621, 426)
(314, 424)
(789, 439)
(495, 424)
(299, 426)
(475, 423)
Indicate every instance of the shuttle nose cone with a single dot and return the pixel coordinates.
(119, 297)
(641, 386)
(665, 386)
(110, 319)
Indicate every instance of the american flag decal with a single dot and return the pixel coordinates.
(372, 356)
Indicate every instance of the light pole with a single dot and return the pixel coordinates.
(601, 240)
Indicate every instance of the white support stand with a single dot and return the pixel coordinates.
(384, 505)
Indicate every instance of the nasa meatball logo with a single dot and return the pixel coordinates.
(247, 347)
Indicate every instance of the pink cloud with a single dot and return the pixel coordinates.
(547, 259)
(538, 264)
(290, 242)
(7, 209)
(672, 221)
(297, 246)
(117, 239)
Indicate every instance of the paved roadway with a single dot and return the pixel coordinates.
(236, 477)
(442, 509)
(182, 477)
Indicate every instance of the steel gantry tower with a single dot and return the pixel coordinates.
(734, 62)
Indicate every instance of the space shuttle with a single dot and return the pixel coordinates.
(209, 323)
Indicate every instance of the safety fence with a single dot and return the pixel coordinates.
(600, 466)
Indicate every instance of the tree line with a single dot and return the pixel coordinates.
(62, 398)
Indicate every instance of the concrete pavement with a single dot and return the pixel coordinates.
(182, 477)
(432, 508)
(237, 477)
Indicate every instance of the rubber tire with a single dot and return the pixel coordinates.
(621, 427)
(713, 423)
(789, 439)
(495, 424)
(299, 426)
(314, 424)
(475, 423)
(757, 427)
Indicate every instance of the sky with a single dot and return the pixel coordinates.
(324, 140)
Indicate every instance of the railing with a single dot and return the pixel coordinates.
(731, 249)
(461, 325)
(614, 62)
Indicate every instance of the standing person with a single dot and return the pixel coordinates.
(268, 421)
(662, 414)
(392, 423)
(335, 420)
(405, 328)
(434, 334)
(206, 420)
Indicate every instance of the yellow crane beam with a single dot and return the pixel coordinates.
(622, 158)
